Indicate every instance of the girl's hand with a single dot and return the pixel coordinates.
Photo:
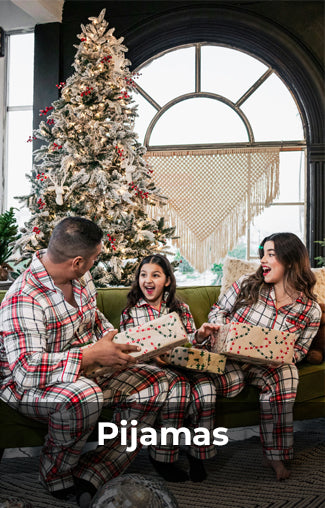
(273, 365)
(160, 361)
(205, 331)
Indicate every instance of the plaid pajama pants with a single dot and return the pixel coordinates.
(202, 412)
(190, 403)
(278, 389)
(72, 410)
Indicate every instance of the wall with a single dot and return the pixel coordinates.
(2, 132)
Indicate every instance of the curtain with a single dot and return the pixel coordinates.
(212, 196)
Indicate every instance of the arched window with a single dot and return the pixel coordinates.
(214, 103)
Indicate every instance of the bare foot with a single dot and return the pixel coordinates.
(282, 473)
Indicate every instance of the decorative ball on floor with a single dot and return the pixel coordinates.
(134, 491)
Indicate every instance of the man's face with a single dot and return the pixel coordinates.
(86, 263)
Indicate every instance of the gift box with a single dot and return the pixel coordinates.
(196, 359)
(255, 344)
(154, 337)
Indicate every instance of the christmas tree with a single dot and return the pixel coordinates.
(92, 164)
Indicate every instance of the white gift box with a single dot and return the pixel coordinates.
(154, 337)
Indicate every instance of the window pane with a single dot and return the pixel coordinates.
(21, 69)
(199, 121)
(273, 113)
(19, 154)
(276, 219)
(292, 177)
(169, 76)
(145, 114)
(228, 72)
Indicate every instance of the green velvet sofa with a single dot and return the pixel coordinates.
(19, 431)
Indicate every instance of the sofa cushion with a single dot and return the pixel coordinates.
(200, 299)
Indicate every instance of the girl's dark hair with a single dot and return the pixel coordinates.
(135, 292)
(293, 255)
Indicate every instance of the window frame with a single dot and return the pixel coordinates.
(288, 145)
(6, 111)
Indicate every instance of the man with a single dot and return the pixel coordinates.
(47, 315)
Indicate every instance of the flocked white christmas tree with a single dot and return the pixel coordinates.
(92, 164)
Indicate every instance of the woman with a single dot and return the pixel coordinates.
(278, 296)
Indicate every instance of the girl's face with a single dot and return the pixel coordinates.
(152, 282)
(273, 270)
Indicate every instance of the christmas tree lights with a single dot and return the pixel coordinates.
(92, 164)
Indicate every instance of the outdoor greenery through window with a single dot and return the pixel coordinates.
(210, 96)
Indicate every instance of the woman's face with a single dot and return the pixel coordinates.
(273, 270)
(152, 282)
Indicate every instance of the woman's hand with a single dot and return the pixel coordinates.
(205, 331)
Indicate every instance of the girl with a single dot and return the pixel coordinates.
(280, 296)
(152, 294)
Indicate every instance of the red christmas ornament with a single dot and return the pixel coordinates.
(86, 92)
(106, 59)
(41, 177)
(124, 95)
(45, 111)
(111, 241)
(41, 204)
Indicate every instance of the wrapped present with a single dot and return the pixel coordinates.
(154, 337)
(255, 344)
(196, 359)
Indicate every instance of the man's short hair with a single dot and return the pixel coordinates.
(72, 237)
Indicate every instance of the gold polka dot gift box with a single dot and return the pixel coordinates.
(196, 359)
(255, 344)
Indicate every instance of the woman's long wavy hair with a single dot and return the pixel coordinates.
(135, 292)
(293, 255)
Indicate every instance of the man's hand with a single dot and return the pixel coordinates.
(108, 354)
(205, 330)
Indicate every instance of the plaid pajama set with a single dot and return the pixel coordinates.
(40, 357)
(277, 386)
(199, 410)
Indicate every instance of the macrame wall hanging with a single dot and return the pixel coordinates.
(212, 196)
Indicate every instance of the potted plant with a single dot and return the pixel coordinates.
(321, 259)
(8, 235)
